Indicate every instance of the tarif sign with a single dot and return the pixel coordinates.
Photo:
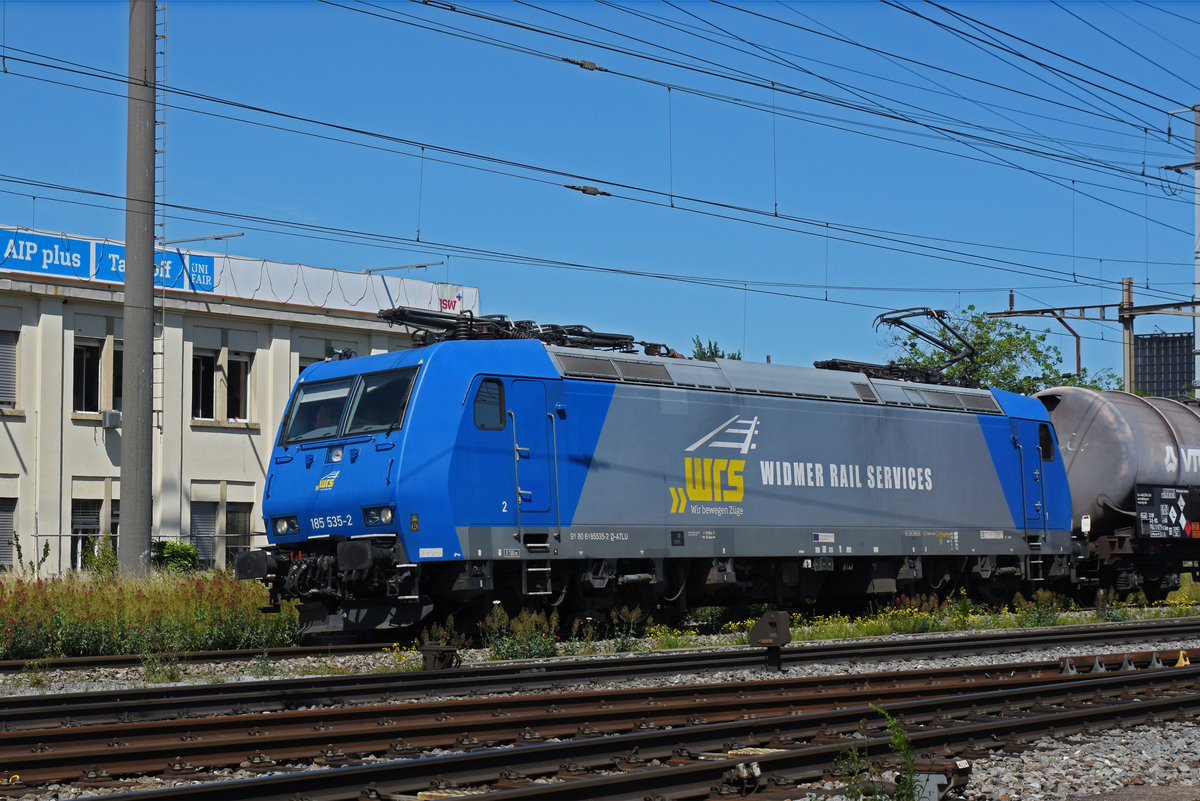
(89, 260)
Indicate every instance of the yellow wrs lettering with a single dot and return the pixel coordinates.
(714, 479)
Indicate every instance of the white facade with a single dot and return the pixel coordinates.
(231, 336)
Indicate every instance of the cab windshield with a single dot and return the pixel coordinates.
(317, 411)
(379, 401)
(353, 405)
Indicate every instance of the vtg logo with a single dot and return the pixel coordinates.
(450, 304)
(1185, 460)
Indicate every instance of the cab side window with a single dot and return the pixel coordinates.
(489, 405)
(1045, 443)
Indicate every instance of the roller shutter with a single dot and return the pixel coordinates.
(204, 531)
(8, 532)
(8, 368)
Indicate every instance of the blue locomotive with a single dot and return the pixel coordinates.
(559, 468)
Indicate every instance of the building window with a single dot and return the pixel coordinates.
(237, 530)
(204, 373)
(90, 390)
(118, 377)
(8, 368)
(8, 533)
(221, 387)
(86, 389)
(237, 392)
(85, 531)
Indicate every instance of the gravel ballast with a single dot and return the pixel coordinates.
(1135, 764)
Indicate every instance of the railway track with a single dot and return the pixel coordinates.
(397, 729)
(94, 738)
(276, 695)
(731, 656)
(737, 738)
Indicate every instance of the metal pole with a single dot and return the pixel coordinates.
(1127, 331)
(1196, 243)
(133, 543)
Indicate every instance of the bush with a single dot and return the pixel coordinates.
(104, 561)
(177, 557)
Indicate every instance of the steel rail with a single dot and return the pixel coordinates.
(1093, 632)
(802, 742)
(148, 747)
(188, 700)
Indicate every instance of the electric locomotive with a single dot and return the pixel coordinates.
(560, 468)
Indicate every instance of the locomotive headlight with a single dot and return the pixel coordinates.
(335, 454)
(378, 516)
(286, 525)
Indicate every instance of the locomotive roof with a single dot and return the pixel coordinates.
(724, 375)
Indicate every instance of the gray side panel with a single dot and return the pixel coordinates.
(698, 461)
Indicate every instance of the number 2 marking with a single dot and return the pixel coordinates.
(503, 506)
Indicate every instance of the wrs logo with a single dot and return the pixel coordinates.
(326, 482)
(450, 304)
(712, 479)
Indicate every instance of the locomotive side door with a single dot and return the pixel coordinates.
(527, 415)
(1034, 445)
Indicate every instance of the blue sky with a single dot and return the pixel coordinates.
(811, 163)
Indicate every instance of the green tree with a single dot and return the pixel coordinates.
(711, 351)
(1008, 356)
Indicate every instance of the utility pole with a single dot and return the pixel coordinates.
(1125, 312)
(1194, 166)
(1125, 315)
(133, 541)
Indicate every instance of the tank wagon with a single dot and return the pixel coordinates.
(478, 471)
(1131, 465)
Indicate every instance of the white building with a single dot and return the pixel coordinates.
(231, 336)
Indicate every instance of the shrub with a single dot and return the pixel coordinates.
(177, 557)
(104, 561)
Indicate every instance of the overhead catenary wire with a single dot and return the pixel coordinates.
(668, 197)
(642, 189)
(321, 231)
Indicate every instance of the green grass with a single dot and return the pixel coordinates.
(87, 615)
(919, 615)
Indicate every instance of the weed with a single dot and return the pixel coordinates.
(665, 637)
(84, 614)
(625, 629)
(29, 568)
(262, 666)
(402, 658)
(906, 769)
(529, 635)
(444, 634)
(161, 668)
(36, 673)
(584, 640)
(1042, 611)
(332, 669)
